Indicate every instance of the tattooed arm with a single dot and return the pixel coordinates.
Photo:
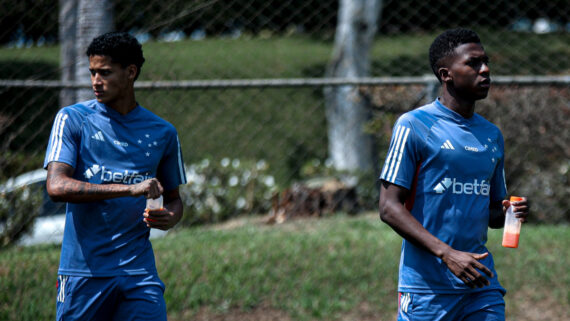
(62, 187)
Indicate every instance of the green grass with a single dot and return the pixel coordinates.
(226, 58)
(303, 56)
(309, 269)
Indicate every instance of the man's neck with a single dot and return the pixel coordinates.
(124, 105)
(124, 109)
(465, 108)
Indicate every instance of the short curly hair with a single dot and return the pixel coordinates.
(444, 45)
(122, 47)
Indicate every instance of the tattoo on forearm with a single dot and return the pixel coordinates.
(61, 178)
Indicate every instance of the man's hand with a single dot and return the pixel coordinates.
(520, 208)
(168, 216)
(150, 188)
(162, 219)
(464, 265)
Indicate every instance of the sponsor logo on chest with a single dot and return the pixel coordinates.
(109, 176)
(468, 188)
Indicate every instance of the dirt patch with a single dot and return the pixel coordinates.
(257, 314)
(237, 223)
(365, 312)
(539, 311)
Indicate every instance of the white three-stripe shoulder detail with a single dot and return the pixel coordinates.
(401, 152)
(394, 159)
(390, 153)
(60, 135)
(57, 137)
(53, 139)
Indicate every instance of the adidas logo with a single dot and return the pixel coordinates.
(98, 136)
(447, 145)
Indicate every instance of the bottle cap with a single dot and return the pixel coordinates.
(516, 198)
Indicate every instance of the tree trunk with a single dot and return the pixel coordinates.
(67, 36)
(94, 19)
(350, 148)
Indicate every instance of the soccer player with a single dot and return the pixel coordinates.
(105, 158)
(442, 186)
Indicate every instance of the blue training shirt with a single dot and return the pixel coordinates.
(453, 167)
(109, 238)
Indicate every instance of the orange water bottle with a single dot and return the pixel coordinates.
(512, 229)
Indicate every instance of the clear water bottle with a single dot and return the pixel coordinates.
(154, 204)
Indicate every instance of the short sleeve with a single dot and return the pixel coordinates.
(171, 171)
(402, 158)
(498, 182)
(63, 144)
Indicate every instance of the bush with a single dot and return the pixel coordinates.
(18, 209)
(536, 128)
(219, 190)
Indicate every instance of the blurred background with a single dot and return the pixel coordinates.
(273, 99)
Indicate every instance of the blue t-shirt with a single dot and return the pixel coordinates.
(453, 167)
(109, 238)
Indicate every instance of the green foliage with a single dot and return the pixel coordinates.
(312, 269)
(18, 209)
(217, 191)
(318, 18)
(223, 18)
(536, 134)
(13, 163)
(24, 131)
(33, 19)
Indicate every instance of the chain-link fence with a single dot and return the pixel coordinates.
(279, 51)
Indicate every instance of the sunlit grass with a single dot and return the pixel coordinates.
(313, 269)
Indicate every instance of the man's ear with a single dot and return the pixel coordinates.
(132, 71)
(444, 74)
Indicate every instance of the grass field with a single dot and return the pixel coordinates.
(337, 268)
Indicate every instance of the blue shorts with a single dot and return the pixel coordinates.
(477, 306)
(137, 297)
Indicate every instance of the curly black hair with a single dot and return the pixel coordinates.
(444, 45)
(123, 49)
